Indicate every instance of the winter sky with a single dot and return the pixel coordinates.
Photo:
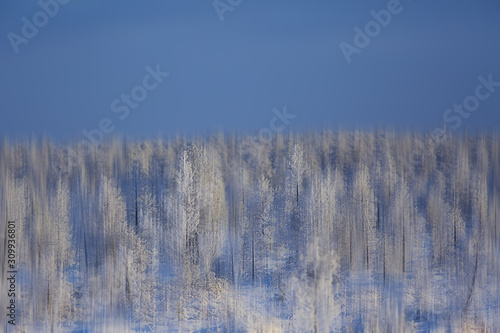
(231, 73)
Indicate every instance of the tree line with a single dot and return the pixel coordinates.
(314, 231)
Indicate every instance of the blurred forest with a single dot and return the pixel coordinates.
(307, 232)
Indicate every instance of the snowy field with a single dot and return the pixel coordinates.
(313, 232)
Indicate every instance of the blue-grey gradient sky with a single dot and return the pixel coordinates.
(230, 74)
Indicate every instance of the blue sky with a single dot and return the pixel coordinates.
(230, 74)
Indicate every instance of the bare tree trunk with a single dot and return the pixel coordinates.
(297, 193)
(350, 249)
(315, 302)
(253, 255)
(385, 254)
(454, 219)
(404, 259)
(471, 289)
(495, 209)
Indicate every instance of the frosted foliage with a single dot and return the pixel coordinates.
(313, 292)
(311, 232)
